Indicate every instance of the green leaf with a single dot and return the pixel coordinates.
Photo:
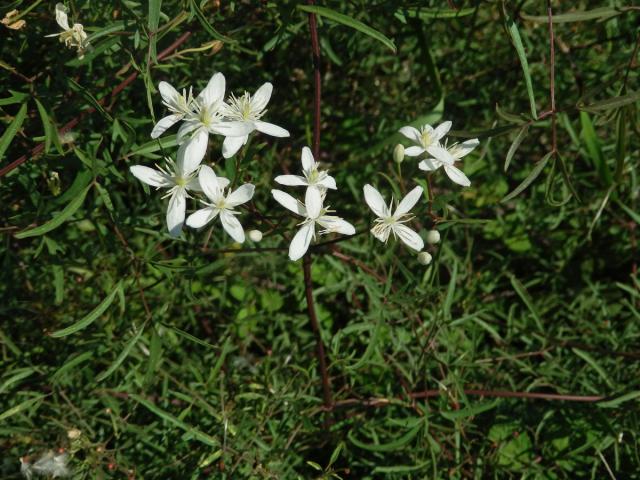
(470, 411)
(197, 434)
(124, 354)
(610, 103)
(594, 150)
(206, 25)
(530, 178)
(16, 97)
(91, 316)
(12, 129)
(432, 13)
(59, 219)
(514, 146)
(349, 22)
(49, 131)
(517, 43)
(578, 16)
(386, 447)
(20, 407)
(527, 300)
(634, 216)
(621, 399)
(595, 365)
(154, 21)
(90, 98)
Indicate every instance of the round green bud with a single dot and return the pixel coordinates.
(424, 258)
(433, 237)
(255, 235)
(398, 153)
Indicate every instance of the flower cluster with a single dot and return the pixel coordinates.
(312, 210)
(49, 464)
(72, 37)
(208, 113)
(236, 118)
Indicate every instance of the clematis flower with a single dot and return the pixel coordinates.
(387, 222)
(206, 117)
(313, 213)
(73, 37)
(221, 205)
(179, 106)
(249, 110)
(312, 176)
(179, 178)
(424, 138)
(446, 157)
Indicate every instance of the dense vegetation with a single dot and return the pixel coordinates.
(514, 354)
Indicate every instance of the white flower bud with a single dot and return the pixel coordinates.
(398, 153)
(255, 235)
(433, 237)
(424, 258)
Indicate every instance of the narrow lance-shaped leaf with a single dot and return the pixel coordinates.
(530, 178)
(578, 16)
(349, 22)
(123, 355)
(517, 43)
(515, 145)
(49, 131)
(59, 219)
(91, 316)
(13, 128)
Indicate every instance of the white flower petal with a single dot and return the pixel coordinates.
(200, 218)
(163, 124)
(313, 202)
(185, 129)
(168, 93)
(61, 16)
(241, 195)
(194, 151)
(429, 164)
(291, 180)
(413, 151)
(214, 91)
(232, 226)
(457, 176)
(336, 224)
(409, 200)
(301, 241)
(375, 201)
(209, 183)
(176, 212)
(290, 203)
(462, 149)
(411, 133)
(381, 234)
(408, 236)
(441, 130)
(232, 129)
(150, 176)
(308, 162)
(328, 182)
(231, 145)
(261, 98)
(271, 129)
(441, 154)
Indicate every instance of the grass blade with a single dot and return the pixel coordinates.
(522, 56)
(349, 22)
(124, 354)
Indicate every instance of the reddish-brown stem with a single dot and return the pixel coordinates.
(306, 262)
(552, 81)
(72, 123)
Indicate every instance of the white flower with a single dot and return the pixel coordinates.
(249, 110)
(206, 117)
(179, 106)
(445, 157)
(221, 205)
(424, 138)
(71, 36)
(312, 176)
(314, 213)
(179, 178)
(387, 223)
(49, 464)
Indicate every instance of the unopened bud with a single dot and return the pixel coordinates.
(255, 235)
(73, 434)
(424, 258)
(433, 237)
(398, 153)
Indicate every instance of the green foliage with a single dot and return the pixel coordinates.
(194, 357)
